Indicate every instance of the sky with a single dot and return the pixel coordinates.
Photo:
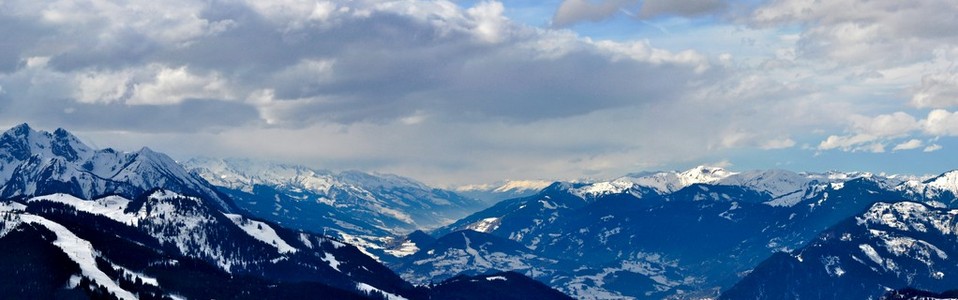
(467, 92)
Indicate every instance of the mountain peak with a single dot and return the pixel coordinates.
(20, 130)
(705, 174)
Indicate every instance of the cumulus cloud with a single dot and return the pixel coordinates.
(361, 61)
(415, 86)
(941, 122)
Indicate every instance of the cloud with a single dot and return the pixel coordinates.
(937, 90)
(778, 144)
(653, 8)
(880, 32)
(574, 11)
(941, 122)
(344, 62)
(908, 145)
(887, 125)
(867, 132)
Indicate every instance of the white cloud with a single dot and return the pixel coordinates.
(489, 22)
(932, 148)
(174, 85)
(778, 144)
(102, 87)
(941, 122)
(858, 142)
(908, 145)
(887, 125)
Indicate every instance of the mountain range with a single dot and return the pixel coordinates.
(77, 222)
(689, 234)
(104, 224)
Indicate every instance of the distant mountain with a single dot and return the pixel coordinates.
(364, 209)
(889, 246)
(39, 162)
(638, 229)
(493, 193)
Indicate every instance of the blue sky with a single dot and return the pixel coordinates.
(462, 92)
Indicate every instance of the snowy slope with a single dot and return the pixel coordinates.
(187, 227)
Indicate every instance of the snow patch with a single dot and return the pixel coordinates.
(262, 232)
(486, 225)
(332, 261)
(365, 288)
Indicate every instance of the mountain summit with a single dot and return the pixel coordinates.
(36, 163)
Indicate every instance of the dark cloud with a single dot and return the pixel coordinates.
(18, 36)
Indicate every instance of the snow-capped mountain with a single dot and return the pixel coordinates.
(939, 190)
(160, 235)
(890, 246)
(671, 181)
(39, 162)
(367, 210)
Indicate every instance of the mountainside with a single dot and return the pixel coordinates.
(38, 163)
(166, 244)
(890, 246)
(364, 209)
(639, 228)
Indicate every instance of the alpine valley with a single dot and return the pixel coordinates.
(83, 223)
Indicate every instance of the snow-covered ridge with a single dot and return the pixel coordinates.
(160, 212)
(786, 188)
(671, 181)
(911, 216)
